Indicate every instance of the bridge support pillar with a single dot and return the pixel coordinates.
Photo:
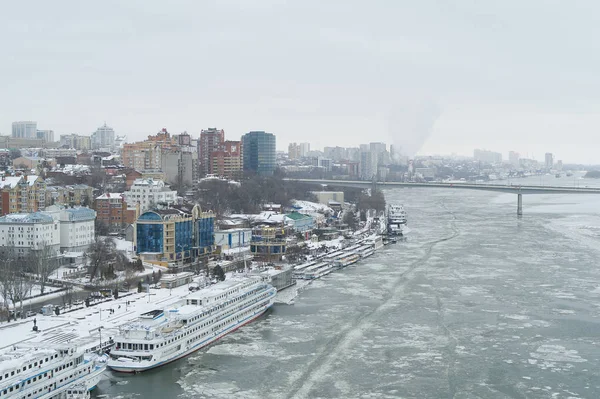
(519, 204)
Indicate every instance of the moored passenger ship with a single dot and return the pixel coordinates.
(396, 219)
(48, 372)
(162, 336)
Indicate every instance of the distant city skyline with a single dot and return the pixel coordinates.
(427, 76)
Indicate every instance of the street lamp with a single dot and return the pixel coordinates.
(100, 346)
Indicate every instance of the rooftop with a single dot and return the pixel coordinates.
(35, 217)
(110, 195)
(298, 216)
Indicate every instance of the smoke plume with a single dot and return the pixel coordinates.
(410, 125)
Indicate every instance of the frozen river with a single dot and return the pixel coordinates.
(477, 303)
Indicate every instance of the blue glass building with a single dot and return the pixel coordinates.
(205, 231)
(174, 234)
(259, 152)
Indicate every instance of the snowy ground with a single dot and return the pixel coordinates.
(33, 292)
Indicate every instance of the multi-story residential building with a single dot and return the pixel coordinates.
(304, 149)
(24, 232)
(148, 193)
(259, 153)
(513, 158)
(46, 135)
(487, 156)
(178, 167)
(103, 138)
(58, 152)
(368, 163)
(147, 154)
(350, 168)
(113, 210)
(210, 141)
(172, 235)
(22, 194)
(24, 130)
(227, 160)
(380, 151)
(76, 227)
(293, 151)
(549, 160)
(76, 141)
(72, 195)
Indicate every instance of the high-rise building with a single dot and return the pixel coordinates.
(304, 149)
(227, 160)
(177, 167)
(147, 155)
(46, 135)
(294, 151)
(24, 130)
(75, 141)
(336, 153)
(368, 163)
(549, 158)
(487, 156)
(210, 141)
(513, 158)
(259, 153)
(103, 138)
(380, 151)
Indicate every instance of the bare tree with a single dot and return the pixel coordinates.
(104, 257)
(19, 282)
(98, 254)
(67, 295)
(5, 280)
(43, 262)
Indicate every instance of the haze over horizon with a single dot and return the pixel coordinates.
(433, 78)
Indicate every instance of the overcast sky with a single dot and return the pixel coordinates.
(430, 76)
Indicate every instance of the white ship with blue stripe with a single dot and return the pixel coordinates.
(48, 371)
(162, 336)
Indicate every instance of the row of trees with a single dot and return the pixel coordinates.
(19, 272)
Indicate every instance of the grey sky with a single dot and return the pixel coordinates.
(431, 76)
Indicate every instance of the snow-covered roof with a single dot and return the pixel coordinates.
(110, 195)
(148, 182)
(309, 206)
(9, 182)
(263, 217)
(80, 213)
(35, 217)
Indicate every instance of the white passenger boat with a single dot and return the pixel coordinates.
(396, 219)
(346, 260)
(48, 372)
(299, 270)
(366, 251)
(162, 336)
(317, 271)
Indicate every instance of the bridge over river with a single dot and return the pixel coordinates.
(512, 188)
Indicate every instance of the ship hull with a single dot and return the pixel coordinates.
(132, 368)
